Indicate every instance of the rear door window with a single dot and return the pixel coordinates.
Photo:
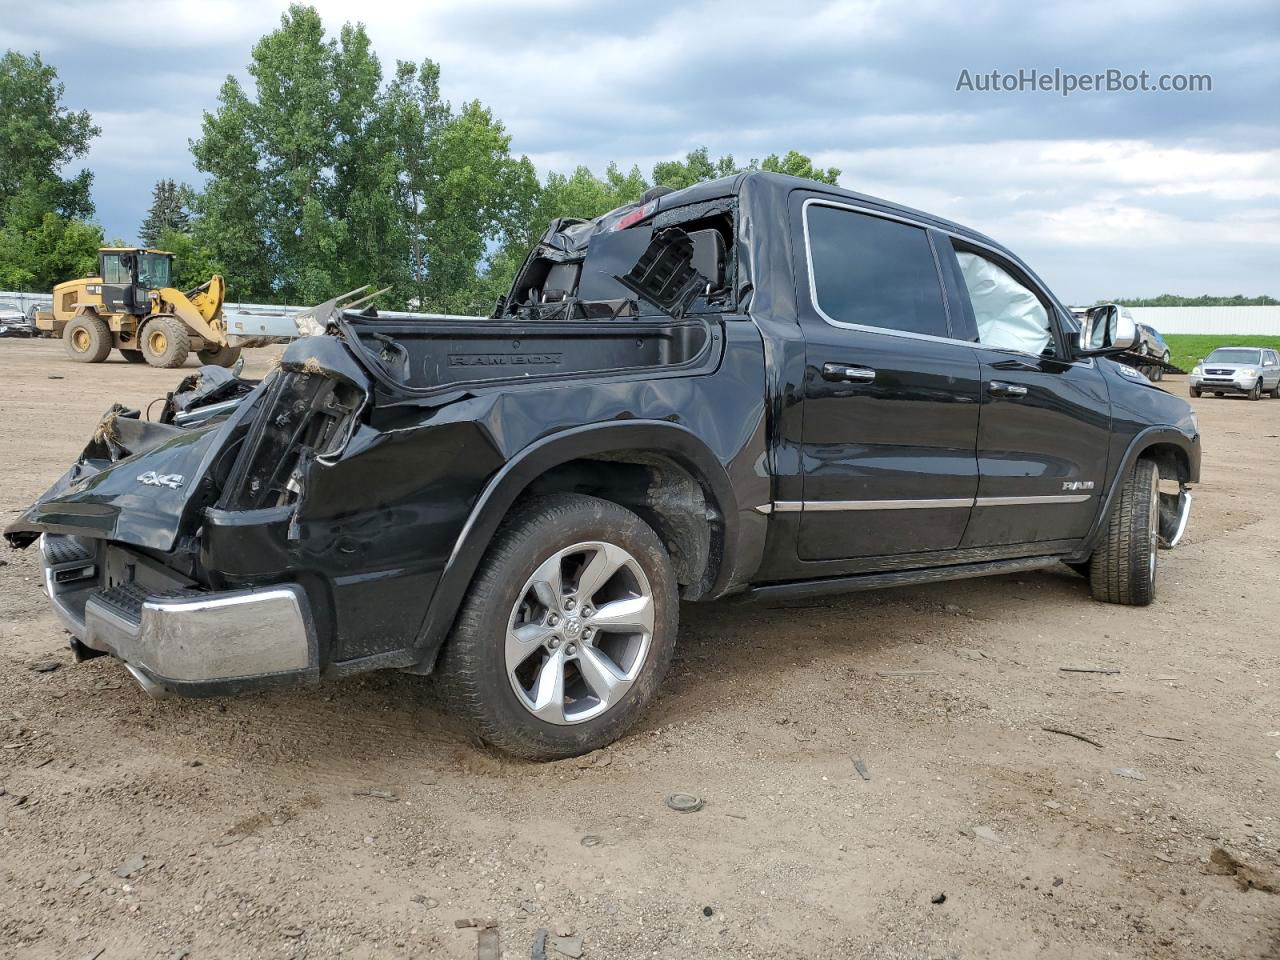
(867, 271)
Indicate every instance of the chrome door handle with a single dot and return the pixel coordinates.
(1001, 389)
(848, 374)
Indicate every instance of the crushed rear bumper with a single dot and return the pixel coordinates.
(180, 641)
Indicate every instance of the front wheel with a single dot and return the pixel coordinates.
(1123, 567)
(165, 342)
(567, 630)
(1195, 391)
(1256, 392)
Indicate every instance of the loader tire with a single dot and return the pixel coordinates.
(132, 356)
(165, 342)
(1123, 567)
(87, 339)
(220, 356)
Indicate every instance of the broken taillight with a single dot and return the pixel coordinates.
(636, 216)
(303, 415)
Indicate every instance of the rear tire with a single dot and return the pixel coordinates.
(220, 356)
(1274, 392)
(87, 339)
(1123, 567)
(133, 356)
(165, 342)
(522, 665)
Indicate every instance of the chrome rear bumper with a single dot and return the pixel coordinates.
(185, 642)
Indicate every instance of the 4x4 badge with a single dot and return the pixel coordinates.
(152, 479)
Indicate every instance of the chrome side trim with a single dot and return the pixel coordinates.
(765, 508)
(1019, 501)
(839, 505)
(833, 506)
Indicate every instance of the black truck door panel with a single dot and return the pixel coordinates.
(1042, 453)
(890, 400)
(1044, 426)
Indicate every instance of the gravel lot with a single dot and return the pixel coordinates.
(355, 819)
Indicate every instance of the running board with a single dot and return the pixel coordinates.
(898, 578)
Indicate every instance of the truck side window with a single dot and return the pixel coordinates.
(1009, 315)
(873, 272)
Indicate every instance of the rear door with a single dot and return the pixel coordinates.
(890, 398)
(1044, 429)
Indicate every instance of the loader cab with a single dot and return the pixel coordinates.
(130, 274)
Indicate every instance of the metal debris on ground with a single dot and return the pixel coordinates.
(568, 946)
(378, 794)
(906, 673)
(862, 769)
(591, 840)
(482, 922)
(1162, 736)
(487, 947)
(539, 950)
(132, 864)
(1074, 736)
(1107, 670)
(1129, 772)
(45, 666)
(684, 803)
(985, 833)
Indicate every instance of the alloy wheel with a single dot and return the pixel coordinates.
(579, 633)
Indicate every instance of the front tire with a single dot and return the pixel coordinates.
(224, 356)
(567, 630)
(1256, 392)
(87, 339)
(1195, 391)
(165, 342)
(1123, 567)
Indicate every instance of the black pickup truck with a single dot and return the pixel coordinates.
(756, 387)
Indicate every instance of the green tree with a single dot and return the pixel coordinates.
(168, 212)
(1204, 300)
(43, 240)
(39, 136)
(698, 166)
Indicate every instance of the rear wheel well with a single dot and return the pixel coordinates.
(663, 493)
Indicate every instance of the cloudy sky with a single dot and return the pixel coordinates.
(1103, 193)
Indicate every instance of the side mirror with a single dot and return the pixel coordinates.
(1105, 330)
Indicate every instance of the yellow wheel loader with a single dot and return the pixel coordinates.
(131, 307)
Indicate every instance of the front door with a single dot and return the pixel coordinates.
(1044, 428)
(117, 283)
(891, 401)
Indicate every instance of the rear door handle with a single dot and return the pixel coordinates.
(1000, 389)
(848, 374)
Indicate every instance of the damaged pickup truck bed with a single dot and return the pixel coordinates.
(758, 386)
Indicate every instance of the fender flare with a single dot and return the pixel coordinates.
(672, 440)
(1143, 441)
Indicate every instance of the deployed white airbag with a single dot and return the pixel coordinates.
(1009, 315)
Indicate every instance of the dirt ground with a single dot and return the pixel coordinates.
(355, 819)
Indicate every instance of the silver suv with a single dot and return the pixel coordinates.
(1251, 371)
